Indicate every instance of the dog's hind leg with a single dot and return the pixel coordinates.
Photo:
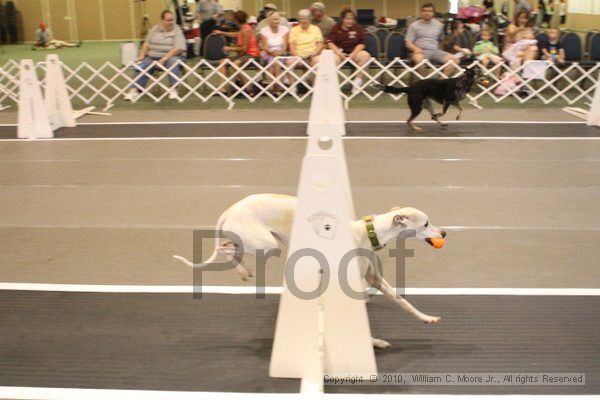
(436, 117)
(416, 106)
(228, 250)
(254, 239)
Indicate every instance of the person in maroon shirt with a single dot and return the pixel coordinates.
(347, 40)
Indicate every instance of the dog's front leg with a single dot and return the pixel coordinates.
(380, 343)
(460, 110)
(390, 294)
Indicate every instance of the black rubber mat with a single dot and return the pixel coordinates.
(223, 342)
(299, 129)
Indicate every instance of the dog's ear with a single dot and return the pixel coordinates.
(400, 220)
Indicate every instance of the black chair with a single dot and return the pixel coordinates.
(382, 35)
(395, 47)
(588, 37)
(213, 48)
(466, 40)
(594, 46)
(571, 43)
(372, 45)
(470, 38)
(365, 16)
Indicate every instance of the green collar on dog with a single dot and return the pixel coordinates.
(371, 234)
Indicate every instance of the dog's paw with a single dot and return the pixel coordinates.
(429, 319)
(381, 344)
(243, 272)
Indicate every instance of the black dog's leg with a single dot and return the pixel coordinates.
(460, 110)
(429, 107)
(444, 110)
(415, 102)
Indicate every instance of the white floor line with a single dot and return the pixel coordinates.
(43, 393)
(250, 138)
(203, 227)
(221, 122)
(59, 287)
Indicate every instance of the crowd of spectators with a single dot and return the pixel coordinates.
(275, 41)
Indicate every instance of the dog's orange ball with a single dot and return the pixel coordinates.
(485, 82)
(438, 243)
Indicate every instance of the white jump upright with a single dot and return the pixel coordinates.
(58, 103)
(33, 119)
(591, 116)
(329, 334)
(40, 115)
(594, 115)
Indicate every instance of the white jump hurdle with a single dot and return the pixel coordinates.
(33, 121)
(329, 334)
(592, 116)
(40, 115)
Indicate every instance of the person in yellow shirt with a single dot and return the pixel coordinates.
(305, 42)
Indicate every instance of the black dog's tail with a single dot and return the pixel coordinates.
(396, 90)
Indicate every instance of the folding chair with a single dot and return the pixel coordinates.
(594, 48)
(372, 45)
(382, 35)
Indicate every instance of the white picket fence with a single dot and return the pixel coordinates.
(202, 80)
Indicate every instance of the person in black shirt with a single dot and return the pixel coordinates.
(553, 50)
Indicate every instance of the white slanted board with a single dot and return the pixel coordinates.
(329, 334)
(58, 104)
(594, 115)
(33, 119)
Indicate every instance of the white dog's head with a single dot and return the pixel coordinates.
(408, 220)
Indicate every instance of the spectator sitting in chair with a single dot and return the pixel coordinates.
(553, 51)
(518, 31)
(305, 42)
(320, 19)
(45, 40)
(485, 50)
(274, 39)
(423, 39)
(452, 42)
(347, 40)
(520, 51)
(164, 45)
(246, 46)
(268, 9)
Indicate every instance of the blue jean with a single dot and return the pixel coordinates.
(141, 77)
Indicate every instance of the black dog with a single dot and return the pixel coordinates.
(448, 92)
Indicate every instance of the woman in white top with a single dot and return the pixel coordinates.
(274, 38)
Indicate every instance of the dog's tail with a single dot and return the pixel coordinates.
(214, 254)
(396, 90)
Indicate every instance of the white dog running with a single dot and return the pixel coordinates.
(261, 220)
